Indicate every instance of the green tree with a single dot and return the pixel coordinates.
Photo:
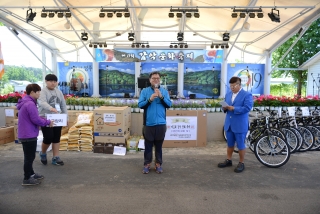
(305, 48)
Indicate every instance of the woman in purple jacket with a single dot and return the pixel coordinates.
(28, 130)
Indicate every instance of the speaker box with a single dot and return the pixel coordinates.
(192, 96)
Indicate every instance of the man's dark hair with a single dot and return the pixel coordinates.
(153, 73)
(235, 80)
(32, 87)
(51, 77)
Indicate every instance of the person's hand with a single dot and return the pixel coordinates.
(51, 123)
(153, 96)
(230, 108)
(158, 92)
(54, 110)
(225, 108)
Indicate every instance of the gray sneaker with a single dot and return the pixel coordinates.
(30, 182)
(37, 176)
(57, 161)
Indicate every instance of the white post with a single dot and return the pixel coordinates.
(267, 76)
(44, 73)
(95, 73)
(180, 80)
(224, 69)
(137, 67)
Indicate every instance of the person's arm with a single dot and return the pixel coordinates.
(63, 104)
(43, 102)
(165, 99)
(35, 118)
(144, 101)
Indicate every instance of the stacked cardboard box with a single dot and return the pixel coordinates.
(11, 114)
(6, 134)
(111, 127)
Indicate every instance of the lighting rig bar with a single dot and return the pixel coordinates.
(184, 10)
(247, 10)
(114, 10)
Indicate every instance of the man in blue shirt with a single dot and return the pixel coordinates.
(154, 100)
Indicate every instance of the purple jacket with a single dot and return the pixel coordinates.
(29, 119)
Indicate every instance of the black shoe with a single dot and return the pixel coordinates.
(225, 163)
(239, 168)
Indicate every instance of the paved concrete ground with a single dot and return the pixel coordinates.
(191, 183)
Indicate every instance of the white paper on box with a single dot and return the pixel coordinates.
(305, 111)
(59, 119)
(109, 117)
(181, 128)
(119, 150)
(9, 112)
(141, 144)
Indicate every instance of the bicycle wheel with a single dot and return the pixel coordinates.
(291, 137)
(316, 133)
(296, 131)
(252, 137)
(307, 138)
(272, 151)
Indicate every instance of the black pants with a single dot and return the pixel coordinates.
(153, 135)
(29, 150)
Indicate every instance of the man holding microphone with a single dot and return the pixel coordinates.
(154, 100)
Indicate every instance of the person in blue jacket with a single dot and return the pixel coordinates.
(236, 122)
(154, 100)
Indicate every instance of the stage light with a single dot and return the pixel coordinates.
(181, 46)
(102, 15)
(179, 15)
(180, 36)
(95, 46)
(60, 15)
(234, 15)
(44, 15)
(275, 17)
(30, 15)
(252, 15)
(132, 45)
(130, 36)
(143, 46)
(119, 15)
(196, 15)
(84, 36)
(222, 46)
(148, 46)
(185, 46)
(109, 15)
(212, 46)
(51, 15)
(171, 46)
(100, 45)
(225, 37)
(175, 46)
(227, 46)
(188, 15)
(126, 15)
(90, 45)
(68, 14)
(260, 15)
(137, 45)
(217, 46)
(242, 15)
(171, 15)
(105, 45)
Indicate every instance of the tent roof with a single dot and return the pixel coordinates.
(150, 22)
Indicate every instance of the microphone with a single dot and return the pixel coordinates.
(156, 86)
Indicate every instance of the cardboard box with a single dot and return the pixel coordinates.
(72, 115)
(11, 113)
(109, 139)
(16, 140)
(108, 143)
(112, 121)
(6, 134)
(186, 128)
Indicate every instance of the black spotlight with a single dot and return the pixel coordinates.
(188, 15)
(275, 17)
(212, 46)
(109, 15)
(148, 46)
(143, 46)
(180, 37)
(196, 15)
(171, 15)
(185, 46)
(100, 45)
(44, 15)
(217, 46)
(130, 36)
(181, 46)
(260, 15)
(227, 46)
(30, 15)
(60, 15)
(222, 46)
(95, 46)
(175, 46)
(126, 15)
(225, 37)
(102, 15)
(242, 15)
(105, 45)
(68, 14)
(171, 46)
(51, 15)
(234, 15)
(119, 15)
(132, 45)
(137, 45)
(90, 45)
(252, 15)
(84, 36)
(179, 15)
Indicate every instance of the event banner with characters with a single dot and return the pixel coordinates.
(75, 78)
(202, 79)
(167, 56)
(252, 76)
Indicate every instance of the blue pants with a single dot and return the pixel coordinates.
(29, 150)
(236, 137)
(153, 135)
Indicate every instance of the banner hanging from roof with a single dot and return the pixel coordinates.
(1, 63)
(166, 56)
